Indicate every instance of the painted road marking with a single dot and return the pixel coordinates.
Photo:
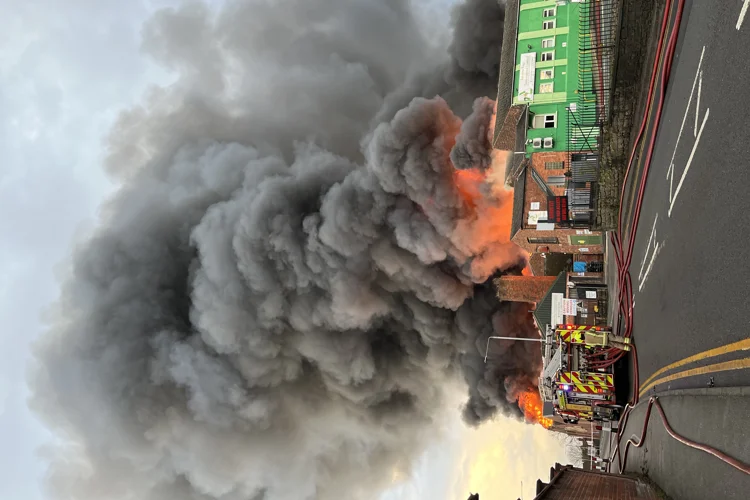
(687, 166)
(698, 105)
(684, 118)
(737, 364)
(742, 345)
(742, 14)
(697, 135)
(645, 271)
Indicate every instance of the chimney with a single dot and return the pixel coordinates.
(540, 485)
(523, 288)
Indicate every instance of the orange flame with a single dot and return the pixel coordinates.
(485, 215)
(468, 183)
(493, 214)
(531, 405)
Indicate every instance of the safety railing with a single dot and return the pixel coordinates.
(598, 25)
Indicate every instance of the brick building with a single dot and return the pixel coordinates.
(570, 483)
(541, 179)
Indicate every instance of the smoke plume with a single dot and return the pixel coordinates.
(473, 148)
(292, 269)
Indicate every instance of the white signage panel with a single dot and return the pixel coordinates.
(527, 76)
(569, 307)
(556, 313)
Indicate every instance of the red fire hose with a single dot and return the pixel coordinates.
(638, 442)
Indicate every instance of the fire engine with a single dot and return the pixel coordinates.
(571, 384)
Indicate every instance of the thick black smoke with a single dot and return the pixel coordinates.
(288, 277)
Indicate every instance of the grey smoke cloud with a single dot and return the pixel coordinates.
(283, 286)
(473, 148)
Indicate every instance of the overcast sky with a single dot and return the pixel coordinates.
(66, 69)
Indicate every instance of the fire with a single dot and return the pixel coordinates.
(468, 183)
(531, 405)
(483, 206)
(484, 232)
(485, 226)
(493, 211)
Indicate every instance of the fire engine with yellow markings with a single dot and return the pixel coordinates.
(572, 385)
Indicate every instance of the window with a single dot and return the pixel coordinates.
(549, 12)
(544, 121)
(548, 56)
(546, 240)
(548, 43)
(554, 165)
(547, 74)
(548, 25)
(556, 180)
(546, 88)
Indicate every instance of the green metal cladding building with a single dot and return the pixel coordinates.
(551, 70)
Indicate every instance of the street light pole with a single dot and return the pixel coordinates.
(487, 350)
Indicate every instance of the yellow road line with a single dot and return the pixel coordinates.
(736, 364)
(742, 345)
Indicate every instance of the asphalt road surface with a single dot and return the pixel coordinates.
(691, 257)
(691, 261)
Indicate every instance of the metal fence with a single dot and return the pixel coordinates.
(598, 27)
(582, 137)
